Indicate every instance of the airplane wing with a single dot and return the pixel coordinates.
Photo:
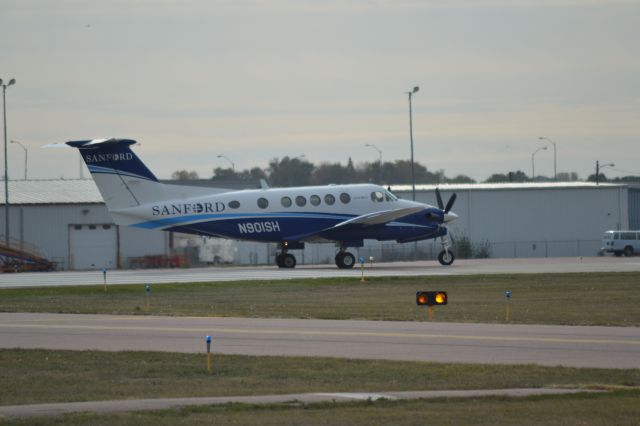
(378, 218)
(370, 219)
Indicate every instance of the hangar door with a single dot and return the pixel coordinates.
(93, 246)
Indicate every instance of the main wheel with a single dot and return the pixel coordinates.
(628, 251)
(345, 260)
(279, 258)
(288, 261)
(446, 257)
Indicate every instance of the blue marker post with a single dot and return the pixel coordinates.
(147, 289)
(208, 340)
(507, 298)
(361, 259)
(104, 278)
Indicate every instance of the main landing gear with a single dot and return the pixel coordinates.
(285, 260)
(446, 256)
(345, 260)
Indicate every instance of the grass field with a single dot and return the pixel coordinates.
(30, 376)
(576, 299)
(617, 408)
(35, 376)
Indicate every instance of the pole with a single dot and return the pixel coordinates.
(6, 166)
(533, 167)
(597, 172)
(413, 172)
(208, 341)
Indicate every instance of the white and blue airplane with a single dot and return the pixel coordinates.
(290, 217)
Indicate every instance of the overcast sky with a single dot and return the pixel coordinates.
(254, 80)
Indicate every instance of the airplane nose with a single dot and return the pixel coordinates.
(450, 217)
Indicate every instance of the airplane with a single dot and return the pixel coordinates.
(291, 217)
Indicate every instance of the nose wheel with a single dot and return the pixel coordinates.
(446, 256)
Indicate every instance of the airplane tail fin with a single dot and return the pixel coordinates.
(123, 180)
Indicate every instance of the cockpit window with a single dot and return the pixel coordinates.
(377, 197)
(389, 196)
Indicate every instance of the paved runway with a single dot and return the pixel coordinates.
(214, 274)
(606, 347)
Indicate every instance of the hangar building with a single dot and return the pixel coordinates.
(68, 223)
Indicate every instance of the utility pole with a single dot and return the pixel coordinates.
(6, 163)
(413, 172)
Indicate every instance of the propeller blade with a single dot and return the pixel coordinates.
(450, 203)
(439, 198)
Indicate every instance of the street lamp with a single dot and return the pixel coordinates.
(370, 145)
(233, 166)
(26, 157)
(555, 157)
(533, 164)
(6, 164)
(413, 172)
(600, 167)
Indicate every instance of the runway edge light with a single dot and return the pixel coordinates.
(431, 298)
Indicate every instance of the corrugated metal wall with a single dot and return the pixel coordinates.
(47, 228)
(537, 222)
(634, 208)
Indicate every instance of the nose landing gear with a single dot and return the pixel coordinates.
(446, 256)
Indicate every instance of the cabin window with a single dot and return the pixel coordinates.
(628, 236)
(329, 199)
(77, 227)
(92, 227)
(234, 204)
(285, 201)
(315, 200)
(106, 226)
(301, 201)
(263, 203)
(377, 197)
(345, 198)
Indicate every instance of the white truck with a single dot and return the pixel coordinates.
(621, 242)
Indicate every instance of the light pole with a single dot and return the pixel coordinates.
(6, 163)
(533, 162)
(413, 172)
(600, 167)
(555, 156)
(233, 166)
(370, 145)
(26, 157)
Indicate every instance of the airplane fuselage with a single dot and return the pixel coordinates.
(287, 214)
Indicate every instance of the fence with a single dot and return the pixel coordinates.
(260, 254)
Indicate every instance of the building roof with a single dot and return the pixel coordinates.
(514, 185)
(84, 191)
(58, 191)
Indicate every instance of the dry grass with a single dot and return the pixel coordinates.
(576, 299)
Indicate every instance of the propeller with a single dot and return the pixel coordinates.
(441, 205)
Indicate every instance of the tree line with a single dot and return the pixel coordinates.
(287, 171)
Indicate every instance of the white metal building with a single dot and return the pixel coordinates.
(533, 219)
(67, 221)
